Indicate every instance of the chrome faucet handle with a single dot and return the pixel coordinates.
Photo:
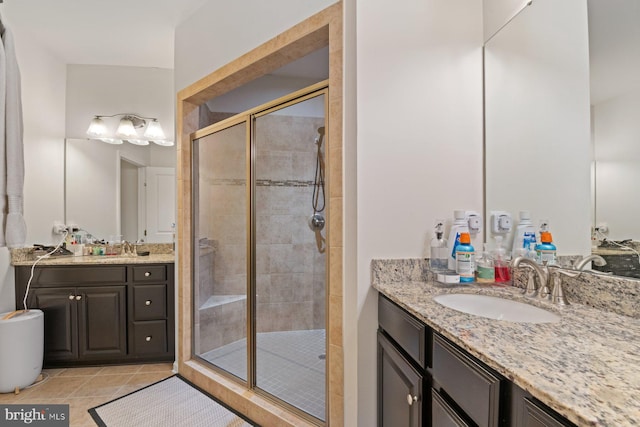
(123, 248)
(557, 295)
(532, 285)
(542, 273)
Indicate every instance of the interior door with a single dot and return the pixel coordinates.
(160, 204)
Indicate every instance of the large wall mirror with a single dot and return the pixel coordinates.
(562, 101)
(120, 192)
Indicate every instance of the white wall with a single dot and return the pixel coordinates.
(219, 32)
(538, 153)
(43, 98)
(105, 90)
(419, 141)
(617, 154)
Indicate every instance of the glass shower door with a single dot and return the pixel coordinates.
(290, 261)
(220, 248)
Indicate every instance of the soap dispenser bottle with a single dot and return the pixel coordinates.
(439, 260)
(484, 267)
(459, 226)
(465, 259)
(500, 262)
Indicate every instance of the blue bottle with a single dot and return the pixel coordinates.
(465, 259)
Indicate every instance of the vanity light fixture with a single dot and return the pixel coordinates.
(127, 130)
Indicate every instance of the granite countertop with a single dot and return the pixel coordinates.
(99, 260)
(586, 366)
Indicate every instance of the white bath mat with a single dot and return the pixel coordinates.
(173, 402)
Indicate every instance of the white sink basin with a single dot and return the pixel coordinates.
(496, 308)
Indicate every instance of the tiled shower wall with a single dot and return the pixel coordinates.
(290, 269)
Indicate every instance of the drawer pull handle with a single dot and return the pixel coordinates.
(78, 297)
(71, 297)
(147, 339)
(147, 302)
(411, 399)
(147, 274)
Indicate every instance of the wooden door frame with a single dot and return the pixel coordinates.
(322, 29)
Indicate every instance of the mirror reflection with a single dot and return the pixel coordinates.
(561, 105)
(120, 192)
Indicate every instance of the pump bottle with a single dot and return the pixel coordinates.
(439, 257)
(524, 236)
(459, 226)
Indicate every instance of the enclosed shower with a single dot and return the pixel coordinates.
(260, 274)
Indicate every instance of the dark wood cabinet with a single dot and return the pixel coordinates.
(104, 313)
(400, 385)
(425, 379)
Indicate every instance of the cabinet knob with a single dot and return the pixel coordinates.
(147, 274)
(411, 399)
(71, 297)
(148, 338)
(147, 302)
(78, 297)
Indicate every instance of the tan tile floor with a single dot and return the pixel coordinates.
(84, 388)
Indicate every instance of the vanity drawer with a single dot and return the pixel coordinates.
(149, 302)
(408, 332)
(472, 386)
(149, 337)
(150, 273)
(45, 276)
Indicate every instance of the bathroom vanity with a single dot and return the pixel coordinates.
(442, 367)
(101, 310)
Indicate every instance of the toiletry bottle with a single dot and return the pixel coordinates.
(501, 262)
(484, 267)
(546, 250)
(439, 260)
(525, 234)
(465, 259)
(458, 227)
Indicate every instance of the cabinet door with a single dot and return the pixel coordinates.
(102, 322)
(400, 401)
(442, 414)
(60, 332)
(538, 416)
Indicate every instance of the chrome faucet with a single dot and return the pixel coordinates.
(542, 273)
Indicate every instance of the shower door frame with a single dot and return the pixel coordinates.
(322, 29)
(249, 117)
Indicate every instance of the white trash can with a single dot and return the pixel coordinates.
(21, 349)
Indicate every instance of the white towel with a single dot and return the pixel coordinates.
(15, 228)
(3, 164)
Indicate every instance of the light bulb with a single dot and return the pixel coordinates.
(138, 141)
(110, 140)
(154, 131)
(97, 128)
(126, 129)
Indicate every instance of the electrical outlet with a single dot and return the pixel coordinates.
(59, 228)
(475, 221)
(500, 222)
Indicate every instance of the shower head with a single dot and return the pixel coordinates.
(320, 136)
